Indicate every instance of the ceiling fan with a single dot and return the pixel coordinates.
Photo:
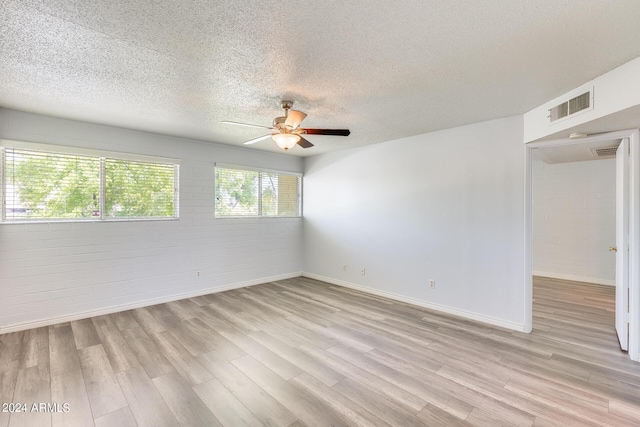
(286, 130)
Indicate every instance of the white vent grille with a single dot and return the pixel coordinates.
(570, 107)
(559, 111)
(580, 103)
(604, 152)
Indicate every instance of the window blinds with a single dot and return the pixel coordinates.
(40, 185)
(139, 189)
(254, 193)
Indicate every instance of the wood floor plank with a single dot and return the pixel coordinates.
(624, 410)
(261, 353)
(123, 320)
(69, 389)
(332, 337)
(307, 334)
(121, 418)
(7, 387)
(376, 403)
(402, 397)
(263, 305)
(147, 405)
(10, 358)
(35, 348)
(480, 418)
(353, 413)
(225, 406)
(291, 337)
(103, 389)
(432, 393)
(146, 321)
(220, 310)
(183, 362)
(297, 358)
(120, 355)
(557, 392)
(185, 404)
(62, 350)
(257, 400)
(11, 351)
(215, 339)
(578, 412)
(198, 338)
(84, 333)
(33, 385)
(542, 411)
(186, 334)
(182, 309)
(165, 317)
(434, 416)
(307, 407)
(151, 359)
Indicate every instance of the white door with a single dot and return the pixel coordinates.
(622, 243)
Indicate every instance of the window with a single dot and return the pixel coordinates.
(54, 183)
(139, 189)
(247, 192)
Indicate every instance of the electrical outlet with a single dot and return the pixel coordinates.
(198, 274)
(432, 283)
(344, 267)
(362, 271)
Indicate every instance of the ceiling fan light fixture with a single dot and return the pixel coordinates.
(286, 141)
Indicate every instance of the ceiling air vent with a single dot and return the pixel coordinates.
(570, 107)
(604, 152)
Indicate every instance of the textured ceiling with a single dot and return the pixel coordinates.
(384, 69)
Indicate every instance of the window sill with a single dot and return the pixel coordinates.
(257, 217)
(80, 221)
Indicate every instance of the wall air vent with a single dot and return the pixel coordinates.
(574, 105)
(604, 152)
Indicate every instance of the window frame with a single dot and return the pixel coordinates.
(260, 172)
(101, 156)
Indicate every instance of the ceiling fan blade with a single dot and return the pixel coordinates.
(334, 132)
(294, 118)
(258, 139)
(246, 124)
(304, 143)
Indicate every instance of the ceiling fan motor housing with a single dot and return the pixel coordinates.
(278, 122)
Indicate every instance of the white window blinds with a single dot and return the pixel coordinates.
(139, 189)
(256, 193)
(42, 185)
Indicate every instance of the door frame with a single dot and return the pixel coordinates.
(634, 229)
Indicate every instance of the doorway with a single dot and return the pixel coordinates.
(574, 235)
(562, 147)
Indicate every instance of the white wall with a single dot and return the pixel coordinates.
(574, 220)
(447, 205)
(53, 270)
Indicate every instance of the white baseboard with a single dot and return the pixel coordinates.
(432, 306)
(16, 327)
(574, 278)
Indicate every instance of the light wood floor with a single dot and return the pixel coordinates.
(301, 352)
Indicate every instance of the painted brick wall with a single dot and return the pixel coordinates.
(53, 270)
(573, 220)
